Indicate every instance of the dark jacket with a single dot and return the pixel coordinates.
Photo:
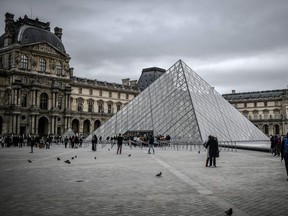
(213, 147)
(119, 140)
(283, 150)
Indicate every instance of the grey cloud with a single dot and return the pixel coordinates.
(116, 39)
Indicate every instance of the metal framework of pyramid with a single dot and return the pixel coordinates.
(180, 103)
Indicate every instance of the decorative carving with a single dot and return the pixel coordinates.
(17, 59)
(44, 48)
(34, 62)
(52, 64)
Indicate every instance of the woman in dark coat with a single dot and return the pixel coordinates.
(213, 149)
(94, 142)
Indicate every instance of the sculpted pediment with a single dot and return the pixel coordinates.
(45, 47)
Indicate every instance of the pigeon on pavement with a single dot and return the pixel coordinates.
(159, 174)
(67, 161)
(29, 161)
(229, 211)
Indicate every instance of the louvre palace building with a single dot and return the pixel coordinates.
(38, 92)
(40, 95)
(268, 110)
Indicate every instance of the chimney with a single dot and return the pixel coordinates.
(125, 81)
(9, 22)
(58, 32)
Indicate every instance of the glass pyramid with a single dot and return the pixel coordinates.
(180, 103)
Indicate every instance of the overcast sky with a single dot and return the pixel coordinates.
(232, 44)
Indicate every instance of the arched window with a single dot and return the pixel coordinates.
(58, 69)
(42, 65)
(44, 101)
(24, 61)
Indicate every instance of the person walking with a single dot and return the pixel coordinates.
(284, 152)
(212, 144)
(119, 144)
(151, 144)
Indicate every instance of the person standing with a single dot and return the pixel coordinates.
(208, 156)
(32, 142)
(65, 141)
(119, 144)
(94, 142)
(284, 152)
(151, 144)
(212, 144)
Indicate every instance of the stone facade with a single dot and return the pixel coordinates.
(38, 92)
(268, 110)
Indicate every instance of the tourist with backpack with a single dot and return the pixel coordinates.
(284, 152)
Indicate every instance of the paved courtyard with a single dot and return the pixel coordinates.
(252, 183)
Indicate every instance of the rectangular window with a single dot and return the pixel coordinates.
(277, 115)
(100, 93)
(58, 68)
(127, 96)
(255, 115)
(24, 62)
(90, 107)
(119, 95)
(80, 107)
(80, 90)
(91, 91)
(24, 100)
(42, 65)
(110, 94)
(59, 103)
(100, 108)
(109, 108)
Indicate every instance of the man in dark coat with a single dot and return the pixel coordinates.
(213, 149)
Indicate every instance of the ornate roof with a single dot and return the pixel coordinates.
(255, 95)
(28, 31)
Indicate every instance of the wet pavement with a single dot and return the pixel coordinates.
(250, 182)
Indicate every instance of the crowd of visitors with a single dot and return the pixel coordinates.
(12, 140)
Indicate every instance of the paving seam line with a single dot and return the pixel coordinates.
(221, 203)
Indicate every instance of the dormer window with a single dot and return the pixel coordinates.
(58, 69)
(42, 65)
(24, 61)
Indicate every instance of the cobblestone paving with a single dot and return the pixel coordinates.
(252, 183)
